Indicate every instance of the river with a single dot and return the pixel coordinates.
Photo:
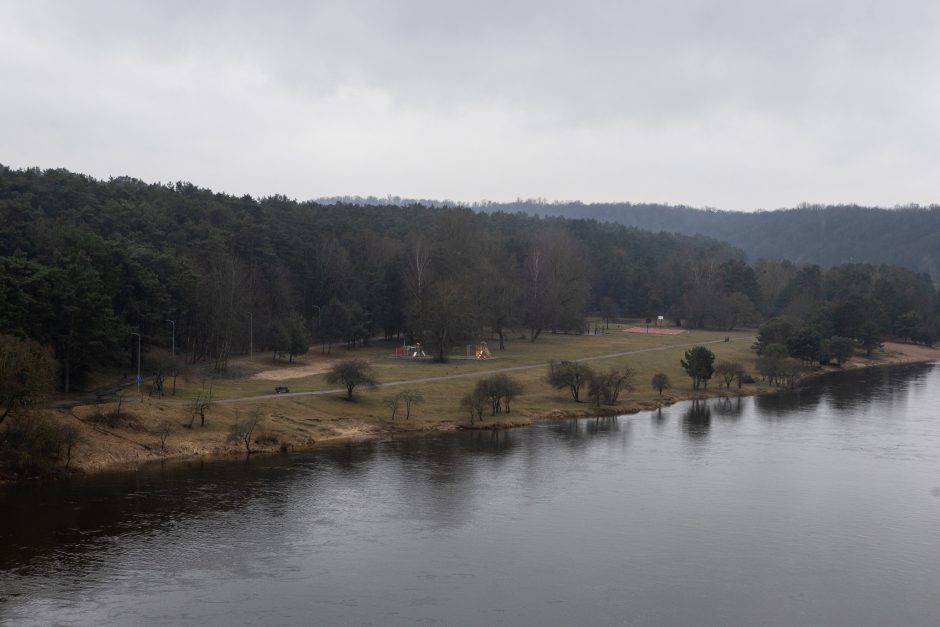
(818, 507)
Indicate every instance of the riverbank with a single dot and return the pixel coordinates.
(110, 439)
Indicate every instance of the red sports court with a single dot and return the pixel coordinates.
(655, 331)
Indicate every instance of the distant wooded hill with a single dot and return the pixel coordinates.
(828, 236)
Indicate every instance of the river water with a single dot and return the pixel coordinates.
(820, 507)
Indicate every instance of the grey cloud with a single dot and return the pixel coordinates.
(732, 104)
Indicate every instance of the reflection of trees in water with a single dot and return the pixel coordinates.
(845, 390)
(602, 424)
(448, 454)
(438, 475)
(578, 432)
(69, 516)
(571, 432)
(659, 417)
(355, 457)
(494, 442)
(773, 406)
(876, 384)
(697, 420)
(728, 407)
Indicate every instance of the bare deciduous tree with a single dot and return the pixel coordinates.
(571, 375)
(164, 429)
(243, 428)
(352, 373)
(393, 403)
(200, 405)
(69, 438)
(410, 398)
(476, 404)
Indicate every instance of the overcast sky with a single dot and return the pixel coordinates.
(735, 105)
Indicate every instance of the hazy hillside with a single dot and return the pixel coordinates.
(828, 236)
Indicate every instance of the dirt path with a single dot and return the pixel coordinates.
(466, 375)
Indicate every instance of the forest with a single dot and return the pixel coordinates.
(86, 264)
(810, 234)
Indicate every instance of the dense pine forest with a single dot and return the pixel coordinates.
(85, 263)
(824, 235)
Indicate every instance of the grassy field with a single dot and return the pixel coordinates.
(518, 354)
(298, 420)
(291, 422)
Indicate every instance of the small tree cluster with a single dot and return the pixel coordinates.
(27, 372)
(818, 340)
(495, 393)
(777, 368)
(38, 443)
(570, 375)
(162, 366)
(344, 322)
(406, 398)
(474, 403)
(290, 336)
(606, 386)
(841, 349)
(730, 371)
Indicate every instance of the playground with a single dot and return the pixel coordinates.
(416, 352)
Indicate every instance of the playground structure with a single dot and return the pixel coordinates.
(415, 351)
(478, 351)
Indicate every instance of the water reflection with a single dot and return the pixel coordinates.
(728, 407)
(78, 514)
(697, 420)
(846, 391)
(493, 442)
(571, 432)
(602, 425)
(355, 457)
(773, 406)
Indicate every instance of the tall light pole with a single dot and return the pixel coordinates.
(173, 351)
(251, 336)
(138, 361)
(317, 307)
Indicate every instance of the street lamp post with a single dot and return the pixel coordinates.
(317, 307)
(251, 336)
(138, 361)
(173, 351)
